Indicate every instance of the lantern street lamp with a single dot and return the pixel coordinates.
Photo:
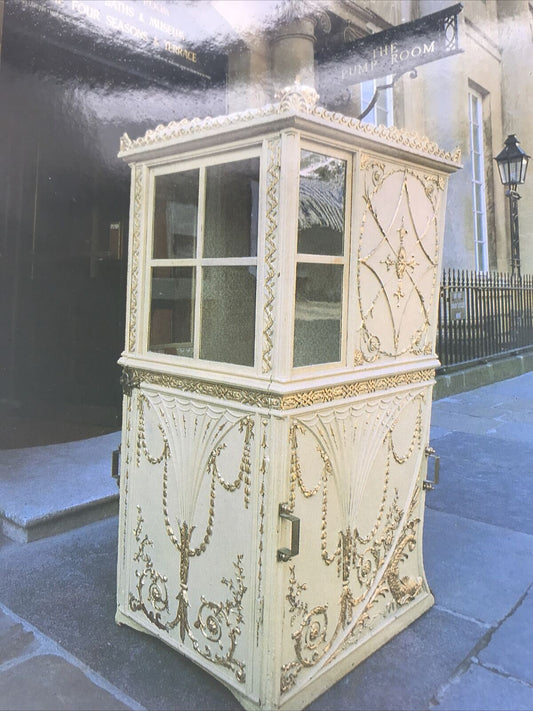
(512, 164)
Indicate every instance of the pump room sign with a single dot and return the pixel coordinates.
(392, 52)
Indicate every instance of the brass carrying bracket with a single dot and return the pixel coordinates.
(429, 484)
(284, 554)
(115, 465)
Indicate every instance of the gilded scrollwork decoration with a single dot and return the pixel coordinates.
(394, 590)
(299, 399)
(138, 190)
(367, 563)
(272, 194)
(152, 592)
(397, 260)
(219, 623)
(262, 504)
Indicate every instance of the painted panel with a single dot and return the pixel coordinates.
(189, 576)
(354, 482)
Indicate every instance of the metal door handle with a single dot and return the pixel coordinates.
(115, 465)
(285, 554)
(429, 484)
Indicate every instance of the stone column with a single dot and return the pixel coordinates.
(293, 54)
(249, 82)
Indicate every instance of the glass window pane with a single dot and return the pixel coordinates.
(228, 314)
(231, 209)
(175, 215)
(480, 254)
(478, 194)
(172, 310)
(477, 166)
(317, 326)
(477, 138)
(321, 208)
(367, 92)
(474, 109)
(480, 226)
(381, 116)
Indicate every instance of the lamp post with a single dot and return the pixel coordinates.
(512, 165)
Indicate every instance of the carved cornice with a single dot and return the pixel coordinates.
(263, 399)
(294, 10)
(296, 99)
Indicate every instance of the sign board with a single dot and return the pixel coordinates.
(392, 52)
(153, 29)
(458, 305)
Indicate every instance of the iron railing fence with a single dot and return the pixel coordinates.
(483, 314)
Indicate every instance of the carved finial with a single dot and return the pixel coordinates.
(298, 97)
(125, 142)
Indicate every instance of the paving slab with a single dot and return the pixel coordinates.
(514, 429)
(66, 586)
(476, 569)
(37, 673)
(485, 478)
(510, 647)
(47, 682)
(437, 432)
(460, 421)
(405, 673)
(482, 690)
(15, 641)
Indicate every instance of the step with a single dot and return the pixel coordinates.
(54, 488)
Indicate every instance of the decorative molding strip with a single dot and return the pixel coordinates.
(138, 179)
(261, 398)
(294, 99)
(271, 250)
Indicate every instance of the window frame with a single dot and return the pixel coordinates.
(344, 259)
(478, 183)
(198, 261)
(388, 95)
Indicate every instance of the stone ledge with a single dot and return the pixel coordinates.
(33, 529)
(469, 377)
(50, 489)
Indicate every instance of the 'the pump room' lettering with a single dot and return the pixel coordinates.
(390, 52)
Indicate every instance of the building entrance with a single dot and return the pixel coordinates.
(67, 92)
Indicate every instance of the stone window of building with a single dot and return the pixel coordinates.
(382, 112)
(479, 204)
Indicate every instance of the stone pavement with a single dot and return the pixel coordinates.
(60, 648)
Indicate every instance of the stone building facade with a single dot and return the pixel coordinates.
(69, 89)
(471, 100)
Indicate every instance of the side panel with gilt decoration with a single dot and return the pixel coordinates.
(196, 478)
(397, 266)
(355, 485)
